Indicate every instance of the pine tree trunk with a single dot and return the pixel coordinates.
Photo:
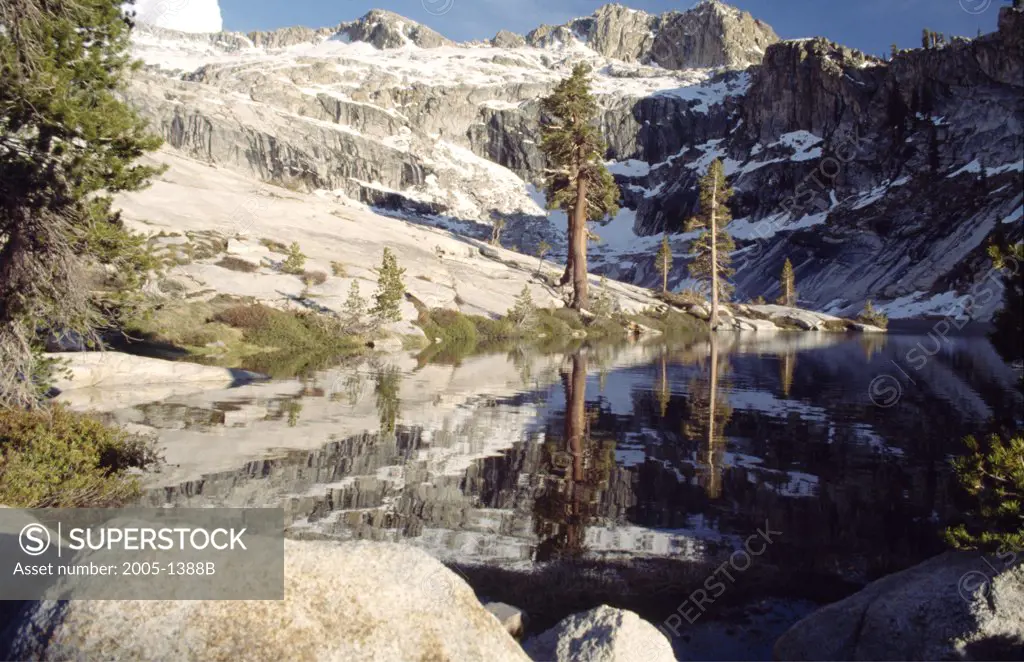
(570, 233)
(664, 275)
(714, 257)
(578, 248)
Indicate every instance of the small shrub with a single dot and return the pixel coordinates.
(872, 316)
(390, 290)
(553, 324)
(603, 305)
(451, 328)
(571, 317)
(311, 278)
(543, 248)
(992, 475)
(355, 308)
(838, 326)
(294, 261)
(246, 317)
(238, 264)
(338, 269)
(758, 301)
(274, 246)
(299, 342)
(492, 331)
(523, 312)
(58, 458)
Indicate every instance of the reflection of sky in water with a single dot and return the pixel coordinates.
(472, 457)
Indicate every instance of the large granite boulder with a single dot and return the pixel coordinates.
(115, 369)
(351, 601)
(603, 634)
(959, 605)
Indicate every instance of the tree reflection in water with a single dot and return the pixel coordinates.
(578, 467)
(709, 414)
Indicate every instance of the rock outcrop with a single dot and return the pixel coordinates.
(712, 34)
(385, 29)
(954, 606)
(603, 634)
(113, 370)
(877, 179)
(350, 601)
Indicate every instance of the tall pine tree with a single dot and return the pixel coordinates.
(663, 262)
(787, 283)
(711, 250)
(577, 181)
(67, 143)
(1008, 322)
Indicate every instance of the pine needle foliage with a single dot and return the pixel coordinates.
(68, 142)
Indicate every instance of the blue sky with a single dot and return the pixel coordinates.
(870, 25)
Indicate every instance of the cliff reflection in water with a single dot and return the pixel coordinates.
(656, 451)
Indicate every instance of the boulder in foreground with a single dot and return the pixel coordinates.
(956, 606)
(351, 601)
(603, 634)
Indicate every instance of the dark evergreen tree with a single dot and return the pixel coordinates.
(577, 180)
(663, 262)
(390, 290)
(787, 284)
(1008, 323)
(68, 142)
(711, 250)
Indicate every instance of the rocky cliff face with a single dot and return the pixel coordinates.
(712, 34)
(877, 179)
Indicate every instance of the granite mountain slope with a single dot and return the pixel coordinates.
(878, 179)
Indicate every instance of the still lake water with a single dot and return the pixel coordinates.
(608, 457)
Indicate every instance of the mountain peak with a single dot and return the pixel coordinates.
(710, 34)
(386, 29)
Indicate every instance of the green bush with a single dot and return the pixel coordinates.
(523, 312)
(390, 290)
(872, 316)
(490, 331)
(992, 475)
(551, 325)
(295, 260)
(297, 342)
(838, 326)
(54, 457)
(338, 269)
(571, 317)
(355, 308)
(672, 323)
(451, 328)
(278, 329)
(246, 316)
